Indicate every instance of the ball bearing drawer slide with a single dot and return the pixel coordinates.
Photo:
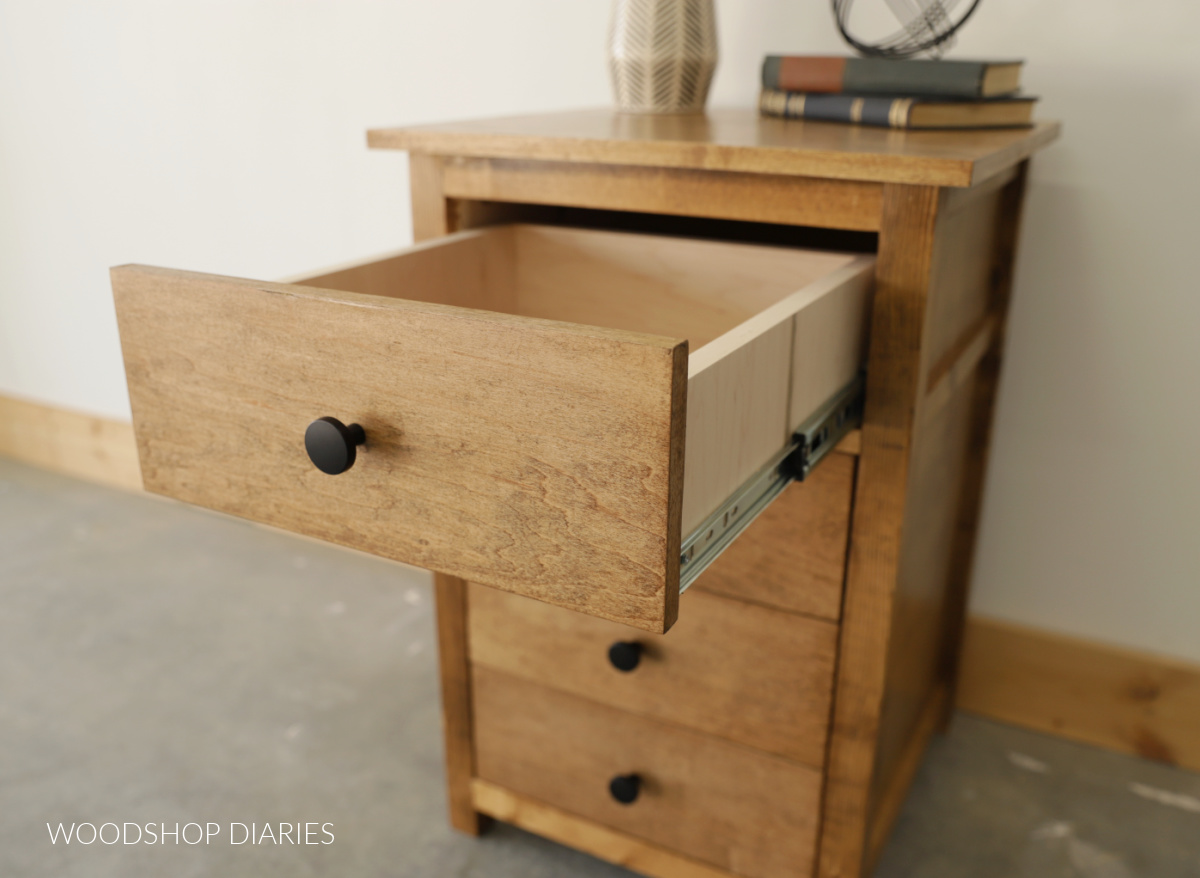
(815, 438)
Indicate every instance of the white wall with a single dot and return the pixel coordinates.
(228, 137)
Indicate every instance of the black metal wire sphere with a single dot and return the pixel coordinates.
(927, 24)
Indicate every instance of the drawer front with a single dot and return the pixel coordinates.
(539, 457)
(748, 812)
(794, 554)
(750, 674)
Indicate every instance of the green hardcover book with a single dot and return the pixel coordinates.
(814, 74)
(891, 111)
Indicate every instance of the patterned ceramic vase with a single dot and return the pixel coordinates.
(662, 54)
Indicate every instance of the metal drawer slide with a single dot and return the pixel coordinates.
(815, 438)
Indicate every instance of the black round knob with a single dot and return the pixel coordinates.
(625, 655)
(330, 444)
(625, 788)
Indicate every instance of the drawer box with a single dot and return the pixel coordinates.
(753, 675)
(533, 418)
(747, 812)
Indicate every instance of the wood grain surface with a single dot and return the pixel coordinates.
(764, 198)
(738, 809)
(1101, 694)
(450, 595)
(77, 444)
(483, 424)
(732, 139)
(773, 331)
(893, 389)
(525, 454)
(753, 675)
(585, 835)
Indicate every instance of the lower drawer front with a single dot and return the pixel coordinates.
(754, 675)
(748, 812)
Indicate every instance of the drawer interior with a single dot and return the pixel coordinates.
(773, 332)
(676, 287)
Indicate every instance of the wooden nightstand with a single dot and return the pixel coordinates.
(528, 403)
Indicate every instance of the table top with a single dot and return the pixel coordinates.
(736, 139)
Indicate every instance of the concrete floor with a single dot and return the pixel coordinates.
(162, 664)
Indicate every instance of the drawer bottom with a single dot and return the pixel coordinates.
(739, 809)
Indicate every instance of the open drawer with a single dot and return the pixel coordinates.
(532, 417)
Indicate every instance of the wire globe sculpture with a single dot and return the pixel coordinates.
(925, 26)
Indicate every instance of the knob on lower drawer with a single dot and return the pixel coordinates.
(625, 787)
(331, 444)
(625, 655)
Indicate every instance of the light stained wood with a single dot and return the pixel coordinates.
(941, 298)
(737, 420)
(732, 139)
(962, 359)
(465, 270)
(962, 280)
(738, 809)
(450, 594)
(924, 594)
(679, 287)
(983, 406)
(68, 442)
(823, 360)
(584, 835)
(474, 465)
(896, 785)
(750, 674)
(793, 556)
(851, 443)
(770, 198)
(1124, 700)
(954, 200)
(893, 386)
(431, 213)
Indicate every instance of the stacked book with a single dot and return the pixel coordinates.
(895, 94)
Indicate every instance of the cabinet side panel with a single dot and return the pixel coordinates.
(970, 289)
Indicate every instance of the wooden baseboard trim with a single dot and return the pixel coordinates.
(1119, 699)
(584, 835)
(68, 442)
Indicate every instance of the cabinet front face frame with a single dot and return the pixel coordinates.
(533, 420)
